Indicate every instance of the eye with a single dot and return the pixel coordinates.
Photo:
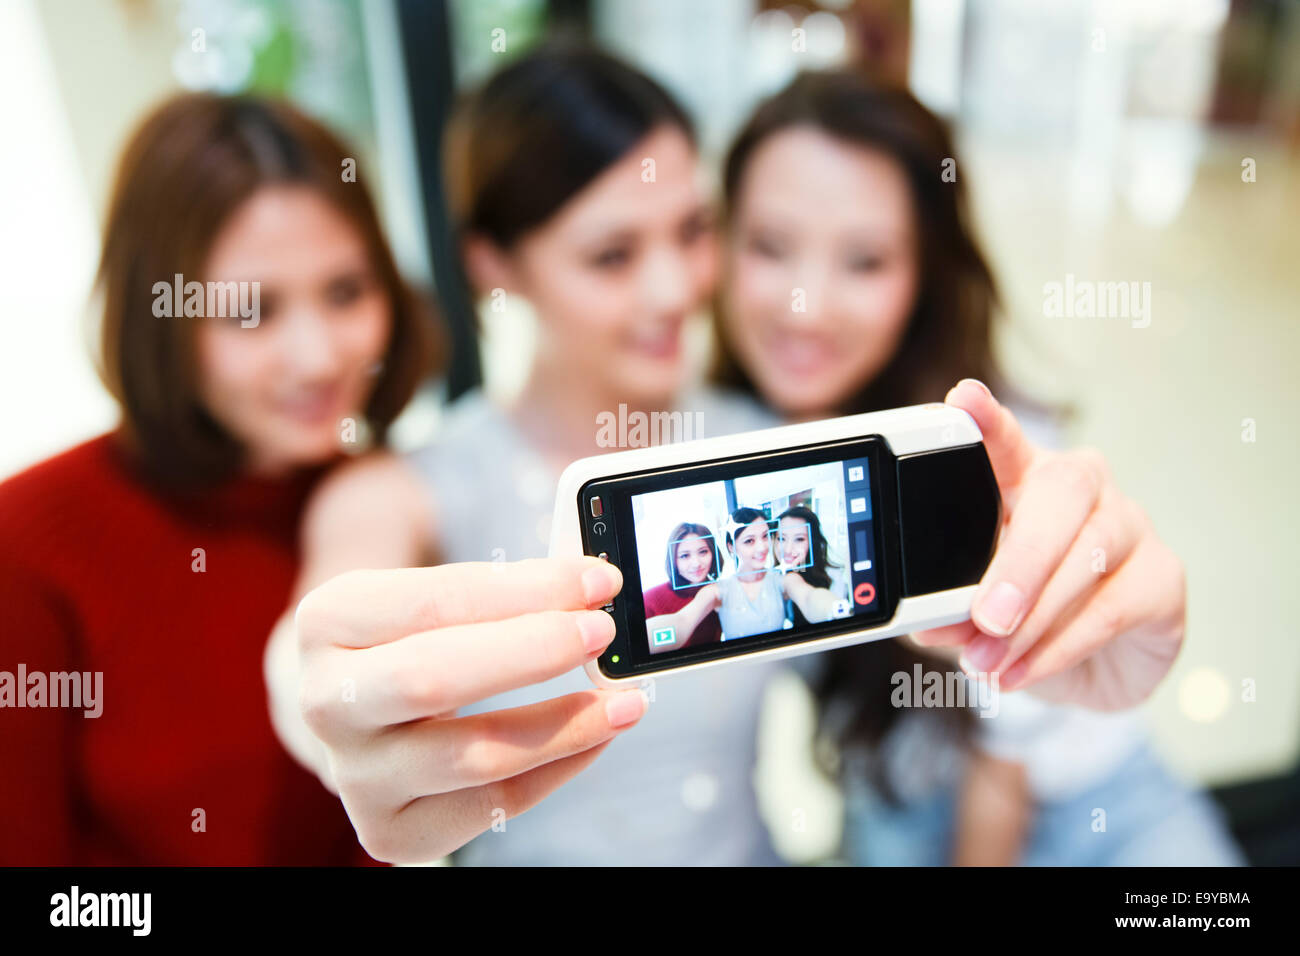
(268, 305)
(345, 290)
(612, 258)
(768, 247)
(865, 263)
(696, 228)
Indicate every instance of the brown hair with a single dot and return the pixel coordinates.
(185, 170)
(948, 337)
(685, 530)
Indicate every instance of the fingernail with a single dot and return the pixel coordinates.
(600, 583)
(625, 708)
(597, 630)
(981, 654)
(974, 381)
(999, 611)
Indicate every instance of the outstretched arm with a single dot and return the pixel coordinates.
(686, 620)
(816, 604)
(369, 513)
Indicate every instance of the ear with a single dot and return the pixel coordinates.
(488, 266)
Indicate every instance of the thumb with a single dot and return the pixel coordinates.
(1010, 452)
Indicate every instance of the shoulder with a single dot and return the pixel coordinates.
(62, 492)
(725, 412)
(91, 461)
(467, 446)
(62, 518)
(465, 422)
(377, 486)
(659, 598)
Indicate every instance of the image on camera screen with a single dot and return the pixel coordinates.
(755, 555)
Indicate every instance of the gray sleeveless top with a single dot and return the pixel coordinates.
(676, 789)
(742, 617)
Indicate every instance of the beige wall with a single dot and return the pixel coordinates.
(1166, 404)
(112, 60)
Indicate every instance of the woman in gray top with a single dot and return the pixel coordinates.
(573, 183)
(678, 789)
(752, 600)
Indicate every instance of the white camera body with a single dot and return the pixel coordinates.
(943, 488)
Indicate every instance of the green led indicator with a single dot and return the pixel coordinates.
(614, 659)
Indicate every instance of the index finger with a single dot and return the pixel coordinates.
(1010, 453)
(366, 608)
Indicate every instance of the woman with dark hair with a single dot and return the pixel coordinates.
(255, 329)
(573, 184)
(804, 551)
(612, 261)
(854, 283)
(682, 611)
(753, 600)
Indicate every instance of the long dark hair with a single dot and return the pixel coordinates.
(948, 332)
(818, 548)
(685, 530)
(948, 337)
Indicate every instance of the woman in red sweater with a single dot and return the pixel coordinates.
(686, 604)
(255, 329)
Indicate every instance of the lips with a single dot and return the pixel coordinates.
(312, 408)
(799, 355)
(657, 342)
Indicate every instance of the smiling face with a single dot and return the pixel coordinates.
(753, 545)
(694, 559)
(822, 269)
(794, 542)
(615, 273)
(283, 386)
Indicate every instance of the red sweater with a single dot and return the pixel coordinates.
(663, 599)
(96, 575)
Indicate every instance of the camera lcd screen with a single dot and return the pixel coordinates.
(767, 550)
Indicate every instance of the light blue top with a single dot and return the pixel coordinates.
(676, 789)
(742, 617)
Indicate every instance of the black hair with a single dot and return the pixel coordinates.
(743, 516)
(818, 548)
(543, 128)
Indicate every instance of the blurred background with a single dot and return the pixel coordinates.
(1112, 140)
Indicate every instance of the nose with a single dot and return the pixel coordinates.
(310, 351)
(809, 297)
(666, 286)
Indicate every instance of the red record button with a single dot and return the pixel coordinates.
(864, 593)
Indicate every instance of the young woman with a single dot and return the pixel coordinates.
(804, 552)
(686, 604)
(753, 600)
(854, 283)
(548, 173)
(253, 320)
